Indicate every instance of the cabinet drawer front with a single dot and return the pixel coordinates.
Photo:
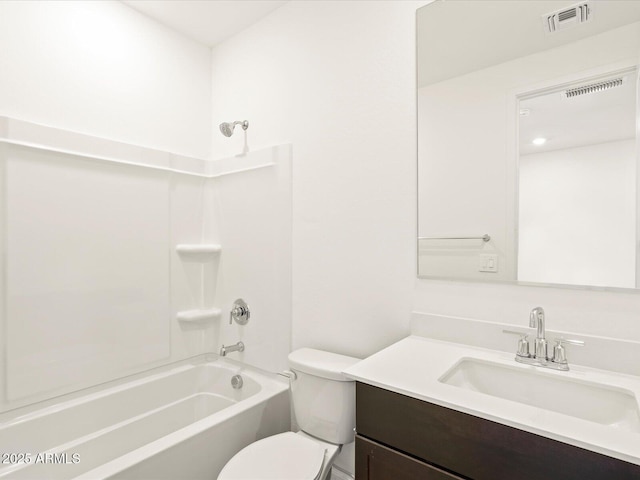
(377, 462)
(473, 447)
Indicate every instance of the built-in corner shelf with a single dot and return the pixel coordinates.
(199, 316)
(209, 249)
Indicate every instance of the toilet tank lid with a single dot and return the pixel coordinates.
(320, 363)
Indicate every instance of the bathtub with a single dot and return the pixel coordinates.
(183, 422)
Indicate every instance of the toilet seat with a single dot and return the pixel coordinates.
(286, 456)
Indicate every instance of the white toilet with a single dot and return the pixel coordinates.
(324, 404)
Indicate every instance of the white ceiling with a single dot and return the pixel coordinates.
(206, 21)
(600, 117)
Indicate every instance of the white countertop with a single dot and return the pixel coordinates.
(414, 365)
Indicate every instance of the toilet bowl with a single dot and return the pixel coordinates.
(324, 404)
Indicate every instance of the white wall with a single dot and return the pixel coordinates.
(577, 215)
(462, 182)
(103, 69)
(337, 79)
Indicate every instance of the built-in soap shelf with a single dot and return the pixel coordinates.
(209, 249)
(199, 316)
(198, 253)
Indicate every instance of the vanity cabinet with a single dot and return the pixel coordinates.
(377, 462)
(403, 438)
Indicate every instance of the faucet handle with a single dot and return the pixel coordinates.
(559, 354)
(523, 343)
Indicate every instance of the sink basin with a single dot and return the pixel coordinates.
(585, 400)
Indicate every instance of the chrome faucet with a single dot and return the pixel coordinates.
(540, 357)
(238, 347)
(536, 319)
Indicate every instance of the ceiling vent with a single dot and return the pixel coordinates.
(593, 88)
(567, 17)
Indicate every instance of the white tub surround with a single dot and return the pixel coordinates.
(141, 428)
(420, 367)
(209, 251)
(113, 261)
(199, 316)
(34, 136)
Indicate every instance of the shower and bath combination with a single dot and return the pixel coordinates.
(227, 127)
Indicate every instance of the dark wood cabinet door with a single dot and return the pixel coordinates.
(377, 462)
(473, 447)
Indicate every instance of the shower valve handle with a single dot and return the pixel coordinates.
(240, 312)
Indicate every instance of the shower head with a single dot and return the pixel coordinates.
(227, 128)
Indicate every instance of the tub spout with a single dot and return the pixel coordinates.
(238, 347)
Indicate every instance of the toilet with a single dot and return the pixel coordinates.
(324, 405)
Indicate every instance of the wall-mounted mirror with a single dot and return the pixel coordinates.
(527, 148)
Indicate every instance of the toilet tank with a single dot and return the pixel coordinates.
(324, 400)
